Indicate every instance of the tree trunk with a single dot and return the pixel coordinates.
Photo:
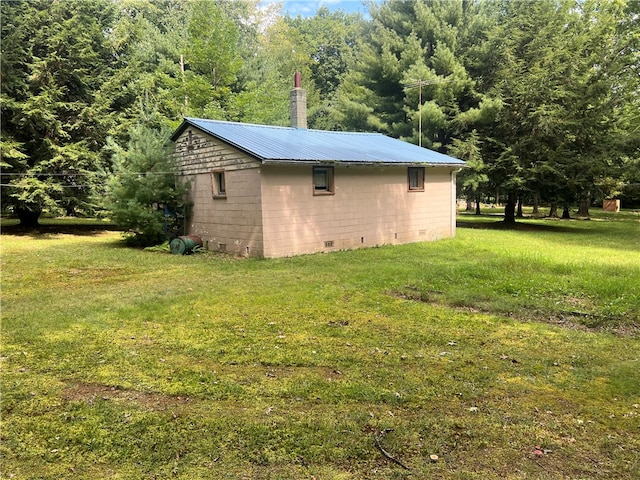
(519, 211)
(565, 212)
(553, 210)
(536, 203)
(477, 205)
(583, 210)
(510, 208)
(469, 205)
(28, 218)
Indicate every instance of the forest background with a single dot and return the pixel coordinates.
(542, 99)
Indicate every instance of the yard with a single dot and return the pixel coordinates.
(498, 354)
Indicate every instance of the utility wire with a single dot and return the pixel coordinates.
(60, 186)
(82, 174)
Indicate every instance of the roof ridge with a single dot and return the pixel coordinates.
(238, 123)
(279, 127)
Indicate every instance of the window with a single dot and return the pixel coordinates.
(323, 180)
(416, 179)
(190, 140)
(218, 186)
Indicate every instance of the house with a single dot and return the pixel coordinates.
(270, 191)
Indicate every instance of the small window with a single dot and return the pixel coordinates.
(416, 179)
(218, 185)
(323, 180)
(190, 140)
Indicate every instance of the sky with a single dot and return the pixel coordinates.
(308, 8)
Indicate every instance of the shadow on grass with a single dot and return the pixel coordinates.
(519, 226)
(45, 230)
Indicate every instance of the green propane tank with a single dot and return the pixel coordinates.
(184, 245)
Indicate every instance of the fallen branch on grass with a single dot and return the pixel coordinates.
(384, 452)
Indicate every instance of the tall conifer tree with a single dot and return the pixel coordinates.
(54, 62)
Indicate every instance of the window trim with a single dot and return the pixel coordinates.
(330, 187)
(420, 171)
(218, 184)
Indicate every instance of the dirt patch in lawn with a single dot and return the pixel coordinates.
(573, 319)
(92, 392)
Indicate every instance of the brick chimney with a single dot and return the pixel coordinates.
(298, 103)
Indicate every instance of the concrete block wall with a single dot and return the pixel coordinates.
(271, 210)
(197, 152)
(232, 223)
(371, 206)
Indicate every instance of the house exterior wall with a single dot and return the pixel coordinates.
(232, 222)
(371, 206)
(271, 210)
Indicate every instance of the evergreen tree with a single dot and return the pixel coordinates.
(473, 180)
(561, 78)
(412, 78)
(144, 194)
(54, 61)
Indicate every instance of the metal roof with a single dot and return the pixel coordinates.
(271, 144)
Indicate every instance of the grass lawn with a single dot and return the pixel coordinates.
(498, 354)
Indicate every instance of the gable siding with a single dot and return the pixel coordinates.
(208, 153)
(231, 224)
(371, 206)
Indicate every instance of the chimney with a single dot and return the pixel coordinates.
(298, 103)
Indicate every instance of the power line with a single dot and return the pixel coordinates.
(60, 186)
(82, 174)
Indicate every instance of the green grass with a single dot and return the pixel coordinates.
(122, 363)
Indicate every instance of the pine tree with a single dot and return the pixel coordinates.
(473, 180)
(412, 78)
(562, 77)
(144, 195)
(54, 61)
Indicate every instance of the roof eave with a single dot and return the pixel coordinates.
(179, 130)
(278, 161)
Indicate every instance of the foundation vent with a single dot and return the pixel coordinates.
(328, 244)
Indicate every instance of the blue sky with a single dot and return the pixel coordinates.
(308, 8)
